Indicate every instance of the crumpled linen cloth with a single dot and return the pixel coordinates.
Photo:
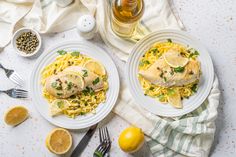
(188, 135)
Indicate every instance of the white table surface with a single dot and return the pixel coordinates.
(213, 22)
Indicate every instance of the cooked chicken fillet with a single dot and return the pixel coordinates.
(160, 73)
(64, 85)
(91, 79)
(72, 80)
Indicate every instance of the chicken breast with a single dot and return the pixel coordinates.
(91, 79)
(160, 73)
(64, 85)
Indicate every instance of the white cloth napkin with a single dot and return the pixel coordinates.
(189, 135)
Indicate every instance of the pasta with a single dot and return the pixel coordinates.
(83, 102)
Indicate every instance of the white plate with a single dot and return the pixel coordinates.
(102, 110)
(153, 105)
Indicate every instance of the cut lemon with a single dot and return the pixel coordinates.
(75, 77)
(16, 115)
(95, 67)
(57, 106)
(59, 141)
(131, 139)
(175, 99)
(174, 59)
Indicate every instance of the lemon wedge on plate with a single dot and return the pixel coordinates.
(59, 141)
(95, 67)
(174, 59)
(16, 115)
(175, 99)
(131, 139)
(57, 106)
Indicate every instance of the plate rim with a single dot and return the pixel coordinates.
(176, 32)
(46, 52)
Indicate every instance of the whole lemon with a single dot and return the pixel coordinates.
(131, 139)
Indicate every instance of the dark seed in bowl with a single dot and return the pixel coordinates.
(27, 42)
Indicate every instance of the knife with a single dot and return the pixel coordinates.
(84, 141)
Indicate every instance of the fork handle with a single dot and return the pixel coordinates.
(2, 67)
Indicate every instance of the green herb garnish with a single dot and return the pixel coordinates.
(179, 69)
(96, 81)
(170, 91)
(165, 79)
(69, 85)
(61, 52)
(59, 94)
(54, 84)
(161, 97)
(151, 88)
(85, 74)
(169, 40)
(194, 88)
(154, 51)
(143, 62)
(75, 53)
(60, 104)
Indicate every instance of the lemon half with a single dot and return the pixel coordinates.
(59, 141)
(131, 139)
(16, 115)
(95, 67)
(174, 59)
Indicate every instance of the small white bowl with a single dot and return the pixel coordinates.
(18, 33)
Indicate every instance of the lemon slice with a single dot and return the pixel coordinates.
(78, 79)
(174, 59)
(131, 139)
(16, 115)
(175, 99)
(57, 106)
(59, 141)
(95, 67)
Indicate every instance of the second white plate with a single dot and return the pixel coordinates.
(102, 110)
(153, 105)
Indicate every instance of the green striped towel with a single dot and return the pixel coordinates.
(188, 135)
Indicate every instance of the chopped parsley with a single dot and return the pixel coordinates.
(82, 113)
(151, 88)
(154, 51)
(56, 86)
(88, 90)
(169, 40)
(193, 52)
(61, 52)
(161, 97)
(96, 81)
(75, 53)
(170, 91)
(179, 69)
(60, 104)
(85, 74)
(161, 75)
(194, 88)
(143, 62)
(59, 94)
(165, 79)
(69, 85)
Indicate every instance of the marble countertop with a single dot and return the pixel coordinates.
(212, 22)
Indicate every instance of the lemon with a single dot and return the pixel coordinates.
(95, 67)
(59, 141)
(57, 106)
(131, 139)
(175, 99)
(174, 59)
(16, 115)
(78, 79)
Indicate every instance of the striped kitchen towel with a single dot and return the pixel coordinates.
(189, 135)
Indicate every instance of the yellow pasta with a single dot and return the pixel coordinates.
(82, 103)
(156, 51)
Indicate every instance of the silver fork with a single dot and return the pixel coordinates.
(12, 75)
(15, 93)
(105, 144)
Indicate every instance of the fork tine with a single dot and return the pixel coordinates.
(21, 90)
(100, 136)
(108, 137)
